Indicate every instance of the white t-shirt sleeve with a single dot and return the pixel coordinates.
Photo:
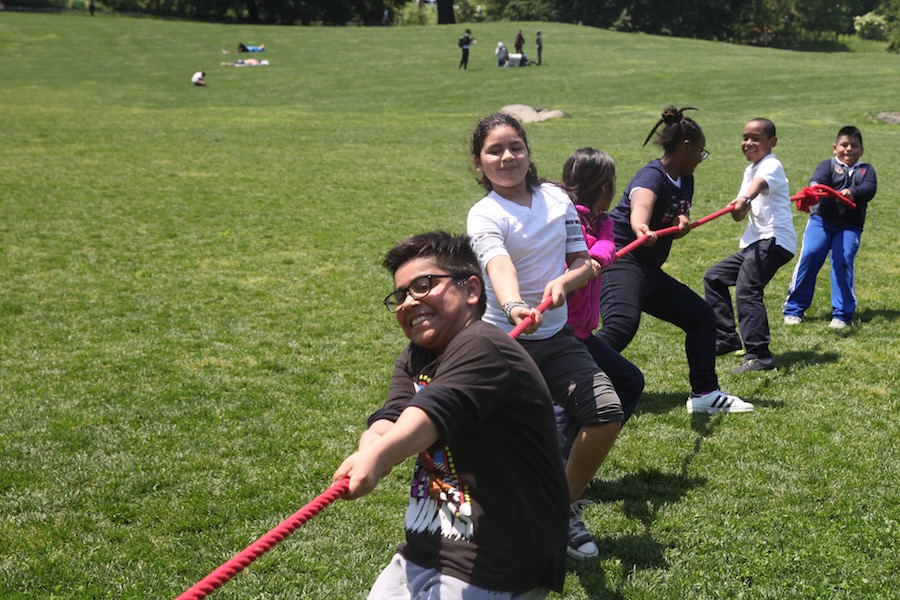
(486, 232)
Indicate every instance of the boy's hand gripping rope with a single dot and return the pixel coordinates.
(813, 194)
(220, 576)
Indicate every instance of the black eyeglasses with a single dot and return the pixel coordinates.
(704, 154)
(418, 289)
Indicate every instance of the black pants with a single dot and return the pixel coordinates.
(630, 287)
(748, 271)
(464, 61)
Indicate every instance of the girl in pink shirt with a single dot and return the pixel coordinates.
(589, 175)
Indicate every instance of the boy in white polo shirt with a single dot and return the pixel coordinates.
(769, 242)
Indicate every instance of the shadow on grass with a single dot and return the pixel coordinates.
(659, 404)
(788, 362)
(881, 314)
(644, 494)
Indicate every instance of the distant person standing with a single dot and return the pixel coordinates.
(520, 41)
(92, 7)
(539, 44)
(464, 42)
(386, 20)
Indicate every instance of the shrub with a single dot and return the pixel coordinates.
(871, 26)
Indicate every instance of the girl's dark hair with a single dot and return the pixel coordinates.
(488, 124)
(677, 128)
(453, 253)
(586, 173)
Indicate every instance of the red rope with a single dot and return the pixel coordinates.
(527, 321)
(220, 576)
(813, 194)
(546, 302)
(667, 231)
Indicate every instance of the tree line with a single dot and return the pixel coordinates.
(763, 22)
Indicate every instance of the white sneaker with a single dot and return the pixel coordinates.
(792, 320)
(838, 324)
(716, 401)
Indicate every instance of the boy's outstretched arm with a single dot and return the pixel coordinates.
(742, 203)
(413, 433)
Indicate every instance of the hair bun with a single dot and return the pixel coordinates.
(671, 115)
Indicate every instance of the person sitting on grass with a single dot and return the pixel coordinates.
(199, 78)
(502, 54)
(488, 503)
(836, 227)
(768, 243)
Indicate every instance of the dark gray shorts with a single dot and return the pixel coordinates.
(576, 383)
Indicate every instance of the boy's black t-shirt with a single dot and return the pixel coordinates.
(489, 501)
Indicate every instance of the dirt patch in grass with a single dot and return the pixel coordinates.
(530, 114)
(890, 117)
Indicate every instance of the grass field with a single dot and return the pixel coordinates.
(191, 333)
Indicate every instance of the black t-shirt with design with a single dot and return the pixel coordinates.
(489, 501)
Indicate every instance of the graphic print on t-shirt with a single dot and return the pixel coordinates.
(675, 207)
(437, 501)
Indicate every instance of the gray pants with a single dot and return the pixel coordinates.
(576, 383)
(403, 580)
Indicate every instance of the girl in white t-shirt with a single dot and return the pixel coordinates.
(524, 232)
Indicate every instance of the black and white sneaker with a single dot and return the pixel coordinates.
(716, 401)
(581, 543)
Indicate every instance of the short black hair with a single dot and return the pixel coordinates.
(453, 253)
(768, 125)
(849, 131)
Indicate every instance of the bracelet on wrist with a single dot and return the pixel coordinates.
(508, 306)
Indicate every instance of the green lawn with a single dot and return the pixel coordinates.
(191, 333)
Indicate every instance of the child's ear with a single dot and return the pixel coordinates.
(473, 290)
(477, 162)
(774, 140)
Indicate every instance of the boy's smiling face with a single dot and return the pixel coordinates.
(755, 143)
(448, 307)
(848, 149)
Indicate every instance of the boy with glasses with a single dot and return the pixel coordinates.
(488, 507)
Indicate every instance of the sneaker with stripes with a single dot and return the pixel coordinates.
(716, 401)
